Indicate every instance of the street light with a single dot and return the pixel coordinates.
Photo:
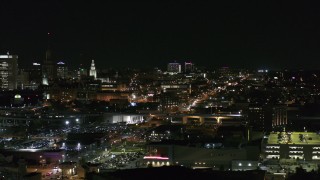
(67, 122)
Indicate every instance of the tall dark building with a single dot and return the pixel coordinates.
(267, 117)
(188, 67)
(49, 69)
(34, 76)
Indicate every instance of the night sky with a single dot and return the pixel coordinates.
(240, 34)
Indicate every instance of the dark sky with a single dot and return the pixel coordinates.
(248, 34)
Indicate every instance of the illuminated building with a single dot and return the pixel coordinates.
(267, 117)
(292, 145)
(62, 70)
(93, 71)
(105, 86)
(32, 76)
(169, 101)
(8, 71)
(188, 67)
(182, 88)
(123, 118)
(174, 68)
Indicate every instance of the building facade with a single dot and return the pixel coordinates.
(93, 71)
(49, 69)
(188, 67)
(292, 145)
(267, 117)
(62, 70)
(8, 71)
(174, 67)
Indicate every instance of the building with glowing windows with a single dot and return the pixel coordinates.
(267, 117)
(8, 71)
(292, 145)
(93, 71)
(188, 67)
(62, 70)
(174, 67)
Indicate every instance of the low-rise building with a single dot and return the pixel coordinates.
(292, 145)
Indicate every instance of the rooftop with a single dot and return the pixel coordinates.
(301, 138)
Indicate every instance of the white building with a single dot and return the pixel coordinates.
(123, 118)
(8, 71)
(93, 71)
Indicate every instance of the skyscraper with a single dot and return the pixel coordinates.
(174, 67)
(62, 70)
(188, 67)
(93, 71)
(8, 71)
(49, 70)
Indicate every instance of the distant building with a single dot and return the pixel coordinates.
(34, 76)
(123, 118)
(169, 101)
(174, 67)
(267, 117)
(109, 86)
(62, 70)
(182, 88)
(49, 69)
(32, 155)
(23, 79)
(8, 71)
(188, 67)
(63, 91)
(93, 71)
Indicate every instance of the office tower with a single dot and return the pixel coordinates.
(34, 74)
(267, 117)
(8, 71)
(174, 67)
(62, 70)
(49, 70)
(188, 67)
(23, 79)
(93, 71)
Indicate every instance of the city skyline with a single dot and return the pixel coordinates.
(167, 90)
(149, 34)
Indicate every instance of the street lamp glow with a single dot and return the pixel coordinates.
(67, 122)
(77, 120)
